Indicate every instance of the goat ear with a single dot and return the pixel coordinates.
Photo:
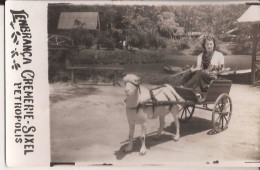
(125, 78)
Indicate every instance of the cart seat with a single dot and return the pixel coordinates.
(216, 88)
(187, 94)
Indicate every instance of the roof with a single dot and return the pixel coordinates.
(252, 15)
(85, 20)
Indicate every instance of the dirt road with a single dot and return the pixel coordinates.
(89, 126)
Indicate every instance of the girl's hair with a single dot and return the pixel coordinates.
(209, 38)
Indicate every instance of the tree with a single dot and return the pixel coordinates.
(167, 26)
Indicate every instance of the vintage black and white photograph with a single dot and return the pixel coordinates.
(154, 84)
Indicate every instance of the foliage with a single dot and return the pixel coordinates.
(88, 40)
(243, 48)
(216, 19)
(167, 25)
(243, 41)
(105, 40)
(152, 27)
(57, 66)
(76, 35)
(197, 50)
(182, 44)
(118, 57)
(135, 38)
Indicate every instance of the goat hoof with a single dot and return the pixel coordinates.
(142, 152)
(176, 138)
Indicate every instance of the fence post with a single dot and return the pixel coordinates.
(72, 76)
(115, 78)
(253, 67)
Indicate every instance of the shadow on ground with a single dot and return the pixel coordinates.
(195, 125)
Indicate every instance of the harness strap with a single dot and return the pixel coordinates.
(139, 88)
(137, 85)
(138, 106)
(170, 108)
(175, 96)
(158, 87)
(154, 101)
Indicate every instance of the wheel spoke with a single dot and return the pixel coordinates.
(226, 119)
(225, 100)
(189, 110)
(222, 105)
(222, 122)
(222, 108)
(218, 112)
(218, 118)
(219, 107)
(218, 123)
(227, 105)
(222, 102)
(186, 113)
(216, 108)
(182, 114)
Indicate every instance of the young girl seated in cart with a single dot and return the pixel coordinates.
(209, 65)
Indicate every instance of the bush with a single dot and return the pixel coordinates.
(57, 66)
(241, 48)
(76, 36)
(155, 41)
(110, 44)
(101, 57)
(118, 37)
(87, 40)
(242, 45)
(182, 44)
(197, 50)
(106, 42)
(136, 39)
(226, 38)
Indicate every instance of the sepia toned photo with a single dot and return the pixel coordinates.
(161, 84)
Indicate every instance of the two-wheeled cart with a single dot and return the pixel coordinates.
(217, 94)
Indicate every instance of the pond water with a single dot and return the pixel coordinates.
(232, 61)
(154, 73)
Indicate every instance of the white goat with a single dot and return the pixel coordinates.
(138, 113)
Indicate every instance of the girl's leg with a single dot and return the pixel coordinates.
(194, 81)
(186, 77)
(205, 81)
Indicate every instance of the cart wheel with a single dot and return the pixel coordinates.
(222, 111)
(186, 112)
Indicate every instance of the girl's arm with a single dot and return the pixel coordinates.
(199, 62)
